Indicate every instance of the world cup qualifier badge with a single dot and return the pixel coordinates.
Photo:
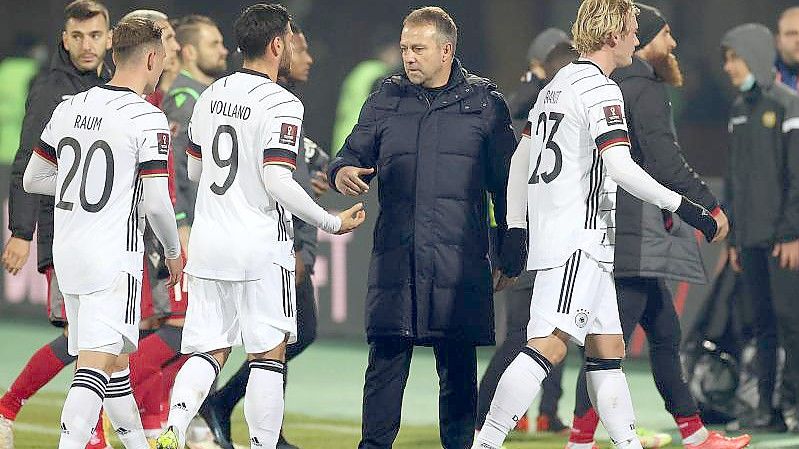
(163, 143)
(613, 115)
(288, 134)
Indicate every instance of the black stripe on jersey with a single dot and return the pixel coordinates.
(597, 87)
(586, 77)
(611, 138)
(282, 234)
(564, 285)
(256, 87)
(570, 293)
(46, 152)
(591, 188)
(281, 103)
(128, 104)
(269, 95)
(86, 97)
(133, 219)
(587, 62)
(280, 156)
(194, 150)
(152, 168)
(146, 113)
(288, 116)
(600, 176)
(603, 101)
(117, 98)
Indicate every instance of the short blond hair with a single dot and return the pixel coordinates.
(597, 20)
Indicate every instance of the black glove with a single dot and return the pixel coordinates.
(513, 252)
(698, 217)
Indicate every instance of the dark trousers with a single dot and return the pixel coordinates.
(386, 376)
(229, 395)
(647, 301)
(517, 308)
(774, 292)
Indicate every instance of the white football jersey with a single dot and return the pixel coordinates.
(103, 141)
(571, 201)
(240, 123)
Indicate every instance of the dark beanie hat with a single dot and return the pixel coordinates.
(650, 22)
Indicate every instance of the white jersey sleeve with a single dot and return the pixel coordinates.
(282, 134)
(606, 122)
(154, 147)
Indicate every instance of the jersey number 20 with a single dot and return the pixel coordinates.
(73, 170)
(550, 145)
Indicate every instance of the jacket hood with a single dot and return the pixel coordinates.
(638, 69)
(754, 43)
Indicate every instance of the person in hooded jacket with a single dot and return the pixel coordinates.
(763, 198)
(77, 65)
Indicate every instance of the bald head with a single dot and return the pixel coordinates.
(788, 35)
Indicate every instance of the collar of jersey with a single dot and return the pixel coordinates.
(588, 61)
(117, 88)
(253, 72)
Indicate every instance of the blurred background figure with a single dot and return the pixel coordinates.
(362, 81)
(763, 200)
(788, 47)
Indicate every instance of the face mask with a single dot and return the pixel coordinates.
(748, 83)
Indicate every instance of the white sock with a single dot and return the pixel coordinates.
(697, 437)
(610, 396)
(82, 407)
(518, 386)
(191, 387)
(263, 402)
(123, 412)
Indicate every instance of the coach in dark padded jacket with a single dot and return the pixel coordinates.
(438, 138)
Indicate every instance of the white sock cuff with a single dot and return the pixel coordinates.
(92, 379)
(210, 359)
(119, 385)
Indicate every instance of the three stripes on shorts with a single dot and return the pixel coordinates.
(567, 286)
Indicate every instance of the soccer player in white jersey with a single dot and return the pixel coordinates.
(103, 156)
(244, 136)
(564, 173)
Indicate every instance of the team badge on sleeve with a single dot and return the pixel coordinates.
(613, 115)
(288, 134)
(163, 143)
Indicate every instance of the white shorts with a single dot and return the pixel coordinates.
(105, 321)
(578, 298)
(223, 314)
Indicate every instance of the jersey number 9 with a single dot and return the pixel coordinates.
(232, 161)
